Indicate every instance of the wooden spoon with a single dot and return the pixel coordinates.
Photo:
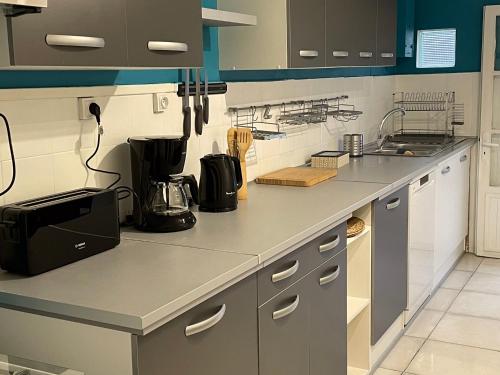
(232, 147)
(245, 140)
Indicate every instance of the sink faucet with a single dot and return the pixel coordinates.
(381, 138)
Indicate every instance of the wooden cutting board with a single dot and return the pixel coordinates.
(299, 176)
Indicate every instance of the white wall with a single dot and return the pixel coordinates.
(51, 144)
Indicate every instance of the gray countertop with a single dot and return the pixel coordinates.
(150, 279)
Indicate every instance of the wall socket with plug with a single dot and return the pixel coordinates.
(83, 108)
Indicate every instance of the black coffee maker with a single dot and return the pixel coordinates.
(220, 180)
(162, 203)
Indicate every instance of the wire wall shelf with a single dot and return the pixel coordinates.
(290, 115)
(433, 113)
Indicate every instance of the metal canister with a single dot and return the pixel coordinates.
(347, 142)
(356, 145)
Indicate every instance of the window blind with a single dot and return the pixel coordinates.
(436, 48)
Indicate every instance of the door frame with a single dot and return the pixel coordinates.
(488, 75)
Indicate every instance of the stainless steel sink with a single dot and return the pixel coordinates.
(409, 149)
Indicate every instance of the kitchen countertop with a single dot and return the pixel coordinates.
(150, 279)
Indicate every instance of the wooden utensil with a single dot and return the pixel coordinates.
(300, 176)
(245, 140)
(232, 147)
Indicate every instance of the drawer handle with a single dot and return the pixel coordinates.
(395, 203)
(366, 55)
(331, 277)
(446, 170)
(280, 314)
(330, 246)
(74, 41)
(287, 273)
(206, 324)
(168, 46)
(463, 158)
(340, 54)
(388, 55)
(309, 53)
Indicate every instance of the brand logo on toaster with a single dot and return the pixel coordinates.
(81, 246)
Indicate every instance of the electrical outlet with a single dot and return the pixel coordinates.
(160, 102)
(83, 108)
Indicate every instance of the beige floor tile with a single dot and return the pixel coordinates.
(400, 357)
(490, 266)
(457, 280)
(477, 304)
(442, 299)
(383, 371)
(439, 358)
(484, 283)
(425, 322)
(469, 262)
(468, 330)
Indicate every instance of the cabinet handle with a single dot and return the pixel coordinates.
(280, 314)
(463, 158)
(331, 245)
(74, 41)
(287, 273)
(331, 277)
(206, 324)
(340, 54)
(366, 55)
(387, 55)
(446, 170)
(168, 46)
(308, 53)
(395, 203)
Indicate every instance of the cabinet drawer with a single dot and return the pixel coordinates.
(217, 337)
(328, 291)
(284, 332)
(71, 33)
(286, 271)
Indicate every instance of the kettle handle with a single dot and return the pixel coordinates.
(237, 169)
(190, 180)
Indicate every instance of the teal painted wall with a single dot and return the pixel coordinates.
(464, 15)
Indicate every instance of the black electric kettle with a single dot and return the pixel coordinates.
(220, 180)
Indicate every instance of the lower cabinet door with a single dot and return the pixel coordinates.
(218, 337)
(284, 332)
(328, 289)
(389, 261)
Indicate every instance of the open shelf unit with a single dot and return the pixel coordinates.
(221, 18)
(359, 297)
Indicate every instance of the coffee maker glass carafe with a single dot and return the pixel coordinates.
(170, 199)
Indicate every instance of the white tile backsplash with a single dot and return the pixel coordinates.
(51, 143)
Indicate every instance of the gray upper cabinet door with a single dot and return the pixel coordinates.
(306, 33)
(70, 33)
(389, 261)
(164, 33)
(328, 288)
(217, 337)
(386, 32)
(351, 32)
(284, 332)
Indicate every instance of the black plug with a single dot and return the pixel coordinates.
(96, 111)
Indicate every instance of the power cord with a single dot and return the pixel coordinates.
(95, 110)
(13, 159)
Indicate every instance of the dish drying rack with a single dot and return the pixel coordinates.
(438, 109)
(291, 114)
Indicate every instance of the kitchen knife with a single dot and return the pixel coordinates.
(206, 101)
(186, 109)
(198, 108)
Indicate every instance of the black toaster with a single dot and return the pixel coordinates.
(42, 234)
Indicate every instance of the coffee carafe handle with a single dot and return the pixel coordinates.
(190, 180)
(237, 169)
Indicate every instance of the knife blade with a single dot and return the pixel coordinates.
(198, 108)
(206, 101)
(186, 109)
